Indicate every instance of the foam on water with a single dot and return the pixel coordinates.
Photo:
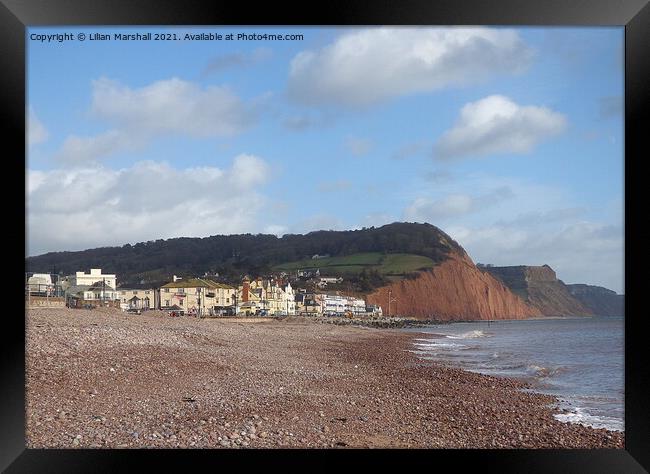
(539, 371)
(581, 416)
(578, 360)
(468, 335)
(437, 345)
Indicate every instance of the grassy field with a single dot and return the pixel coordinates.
(388, 264)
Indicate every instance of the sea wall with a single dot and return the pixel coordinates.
(44, 302)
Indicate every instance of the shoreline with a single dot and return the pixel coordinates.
(100, 379)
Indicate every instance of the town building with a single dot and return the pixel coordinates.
(88, 279)
(318, 257)
(355, 306)
(198, 296)
(138, 298)
(331, 304)
(90, 289)
(40, 284)
(374, 310)
(324, 281)
(97, 294)
(266, 296)
(312, 304)
(308, 273)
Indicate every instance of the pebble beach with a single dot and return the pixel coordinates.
(106, 379)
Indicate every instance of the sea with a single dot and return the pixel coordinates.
(578, 360)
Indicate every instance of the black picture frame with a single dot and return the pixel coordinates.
(16, 16)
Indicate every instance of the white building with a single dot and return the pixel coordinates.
(334, 304)
(356, 305)
(341, 304)
(93, 286)
(96, 292)
(95, 277)
(40, 283)
(324, 281)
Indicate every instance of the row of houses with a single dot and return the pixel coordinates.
(205, 297)
(334, 304)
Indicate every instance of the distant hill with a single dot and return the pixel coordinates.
(409, 269)
(539, 286)
(233, 255)
(601, 301)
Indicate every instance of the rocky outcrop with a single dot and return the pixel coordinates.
(539, 287)
(454, 290)
(599, 300)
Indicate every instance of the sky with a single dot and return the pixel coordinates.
(508, 139)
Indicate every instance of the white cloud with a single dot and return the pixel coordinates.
(424, 209)
(34, 180)
(96, 206)
(275, 229)
(358, 146)
(167, 107)
(171, 106)
(510, 221)
(77, 149)
(579, 251)
(374, 64)
(36, 131)
(249, 170)
(553, 215)
(496, 124)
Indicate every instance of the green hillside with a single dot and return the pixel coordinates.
(386, 264)
(396, 248)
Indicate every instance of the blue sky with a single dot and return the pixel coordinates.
(509, 139)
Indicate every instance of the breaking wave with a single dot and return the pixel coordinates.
(469, 335)
(581, 416)
(539, 371)
(438, 345)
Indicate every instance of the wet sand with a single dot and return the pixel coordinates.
(104, 379)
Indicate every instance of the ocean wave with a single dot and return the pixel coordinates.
(439, 345)
(539, 371)
(469, 335)
(582, 417)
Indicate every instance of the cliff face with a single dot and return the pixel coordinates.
(539, 287)
(453, 290)
(599, 300)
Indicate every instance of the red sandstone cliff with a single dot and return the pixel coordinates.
(453, 290)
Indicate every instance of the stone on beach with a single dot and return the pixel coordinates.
(233, 374)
